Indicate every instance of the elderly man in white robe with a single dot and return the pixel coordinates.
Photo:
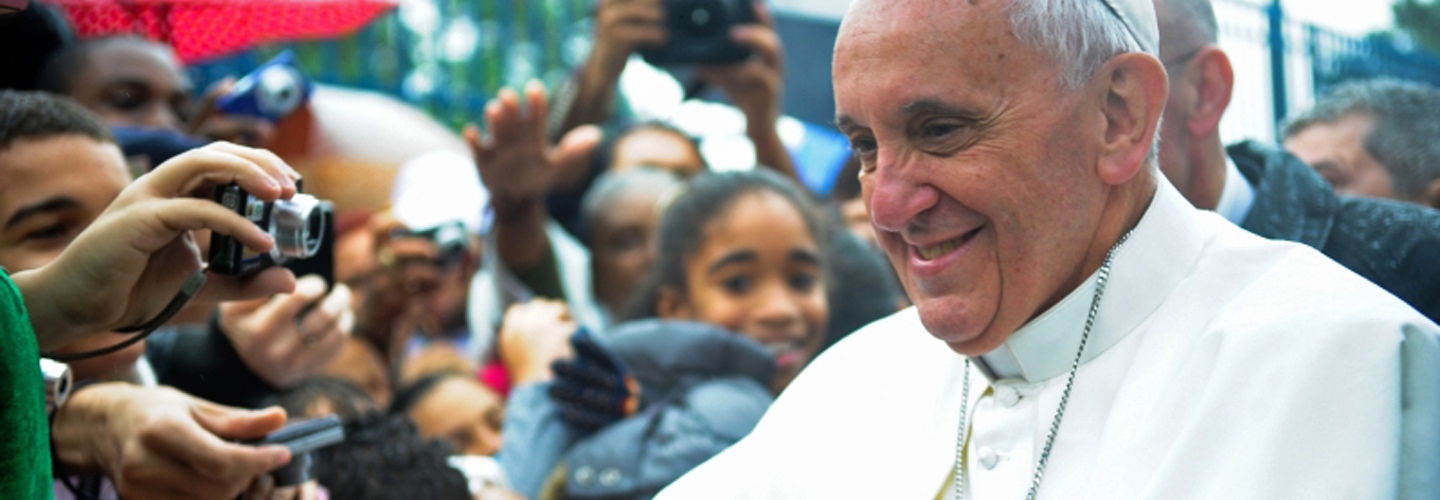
(1080, 330)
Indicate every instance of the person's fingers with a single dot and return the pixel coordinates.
(763, 41)
(330, 344)
(538, 102)
(157, 223)
(644, 35)
(241, 307)
(199, 447)
(267, 160)
(577, 146)
(266, 283)
(284, 311)
(648, 12)
(207, 105)
(504, 124)
(237, 423)
(328, 312)
(476, 140)
(764, 14)
(181, 175)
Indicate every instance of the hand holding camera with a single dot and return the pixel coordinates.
(124, 269)
(162, 443)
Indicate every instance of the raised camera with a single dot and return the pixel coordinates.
(700, 32)
(298, 226)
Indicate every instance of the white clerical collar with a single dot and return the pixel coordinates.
(1145, 269)
(1237, 196)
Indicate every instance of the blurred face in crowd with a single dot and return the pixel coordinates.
(659, 148)
(1336, 151)
(979, 179)
(622, 244)
(758, 273)
(135, 83)
(51, 189)
(360, 363)
(462, 412)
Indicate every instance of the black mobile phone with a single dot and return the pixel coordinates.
(304, 436)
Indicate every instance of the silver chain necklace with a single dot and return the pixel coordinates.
(1100, 280)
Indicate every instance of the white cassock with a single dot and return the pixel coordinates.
(1221, 366)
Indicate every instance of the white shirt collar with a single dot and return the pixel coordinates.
(1237, 196)
(1145, 270)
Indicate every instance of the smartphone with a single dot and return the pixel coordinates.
(304, 436)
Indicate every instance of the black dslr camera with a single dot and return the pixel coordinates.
(299, 226)
(700, 32)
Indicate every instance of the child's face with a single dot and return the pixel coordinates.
(759, 273)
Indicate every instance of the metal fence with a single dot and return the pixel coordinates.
(449, 56)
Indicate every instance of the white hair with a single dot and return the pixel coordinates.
(1081, 35)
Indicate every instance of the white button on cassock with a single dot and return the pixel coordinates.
(1007, 396)
(988, 457)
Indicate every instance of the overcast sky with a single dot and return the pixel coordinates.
(1351, 17)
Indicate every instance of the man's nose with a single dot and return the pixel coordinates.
(897, 196)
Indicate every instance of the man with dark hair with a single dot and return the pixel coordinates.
(1272, 194)
(134, 82)
(60, 172)
(117, 274)
(1374, 138)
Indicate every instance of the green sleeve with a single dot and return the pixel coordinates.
(24, 429)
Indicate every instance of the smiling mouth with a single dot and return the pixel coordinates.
(945, 247)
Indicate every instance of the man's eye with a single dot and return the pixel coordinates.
(126, 99)
(48, 233)
(863, 145)
(938, 130)
(737, 285)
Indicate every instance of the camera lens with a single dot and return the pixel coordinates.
(298, 225)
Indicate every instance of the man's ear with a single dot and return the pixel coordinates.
(1214, 80)
(1431, 196)
(670, 304)
(1135, 89)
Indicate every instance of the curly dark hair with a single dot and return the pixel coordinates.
(39, 115)
(383, 457)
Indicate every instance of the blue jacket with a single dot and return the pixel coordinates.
(703, 389)
(1394, 245)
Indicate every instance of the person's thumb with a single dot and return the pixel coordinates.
(577, 146)
(236, 423)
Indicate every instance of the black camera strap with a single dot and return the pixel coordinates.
(187, 292)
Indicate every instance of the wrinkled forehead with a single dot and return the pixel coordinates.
(900, 26)
(891, 53)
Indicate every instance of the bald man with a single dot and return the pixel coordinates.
(1274, 194)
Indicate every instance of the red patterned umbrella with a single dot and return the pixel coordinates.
(201, 29)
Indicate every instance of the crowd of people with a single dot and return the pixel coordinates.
(561, 301)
